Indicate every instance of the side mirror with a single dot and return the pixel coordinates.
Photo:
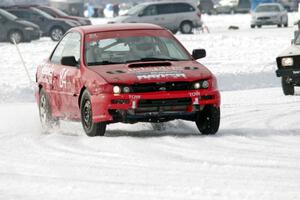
(199, 53)
(42, 18)
(69, 61)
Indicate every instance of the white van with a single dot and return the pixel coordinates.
(179, 15)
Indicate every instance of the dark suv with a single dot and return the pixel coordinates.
(14, 29)
(50, 26)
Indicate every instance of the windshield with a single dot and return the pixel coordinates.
(7, 15)
(133, 49)
(44, 14)
(61, 13)
(135, 10)
(267, 8)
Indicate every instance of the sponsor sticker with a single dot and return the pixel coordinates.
(160, 75)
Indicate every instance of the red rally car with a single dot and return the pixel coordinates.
(125, 73)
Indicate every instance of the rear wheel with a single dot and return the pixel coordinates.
(186, 27)
(208, 120)
(252, 26)
(279, 25)
(15, 36)
(287, 87)
(91, 128)
(56, 33)
(258, 26)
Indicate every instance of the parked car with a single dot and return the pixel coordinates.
(174, 16)
(231, 7)
(288, 63)
(269, 14)
(50, 26)
(14, 29)
(56, 13)
(126, 73)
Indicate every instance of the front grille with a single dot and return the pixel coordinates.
(164, 102)
(155, 87)
(263, 18)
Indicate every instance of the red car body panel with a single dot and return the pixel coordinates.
(64, 85)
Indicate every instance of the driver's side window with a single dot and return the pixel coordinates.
(68, 46)
(150, 10)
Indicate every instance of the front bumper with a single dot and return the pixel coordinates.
(107, 106)
(274, 21)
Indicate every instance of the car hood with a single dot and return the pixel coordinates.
(27, 23)
(291, 51)
(152, 72)
(120, 19)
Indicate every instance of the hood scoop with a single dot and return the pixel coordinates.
(116, 72)
(155, 64)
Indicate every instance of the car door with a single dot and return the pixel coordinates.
(3, 28)
(149, 15)
(66, 79)
(167, 15)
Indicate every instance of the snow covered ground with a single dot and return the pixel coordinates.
(255, 155)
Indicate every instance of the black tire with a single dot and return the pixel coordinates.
(252, 26)
(258, 26)
(174, 31)
(287, 88)
(208, 120)
(15, 35)
(56, 33)
(279, 25)
(285, 25)
(186, 27)
(47, 121)
(91, 129)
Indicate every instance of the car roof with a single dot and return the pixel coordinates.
(269, 4)
(117, 27)
(164, 2)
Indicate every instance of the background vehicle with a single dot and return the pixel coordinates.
(174, 16)
(269, 14)
(288, 63)
(129, 73)
(50, 26)
(12, 28)
(232, 6)
(56, 13)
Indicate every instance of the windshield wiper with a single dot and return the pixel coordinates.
(106, 62)
(153, 59)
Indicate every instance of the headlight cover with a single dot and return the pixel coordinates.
(288, 61)
(29, 28)
(116, 89)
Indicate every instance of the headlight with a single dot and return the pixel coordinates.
(29, 28)
(116, 90)
(285, 62)
(205, 84)
(197, 86)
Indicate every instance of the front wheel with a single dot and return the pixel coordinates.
(15, 37)
(91, 128)
(208, 120)
(288, 88)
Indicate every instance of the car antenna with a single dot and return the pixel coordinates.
(23, 63)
